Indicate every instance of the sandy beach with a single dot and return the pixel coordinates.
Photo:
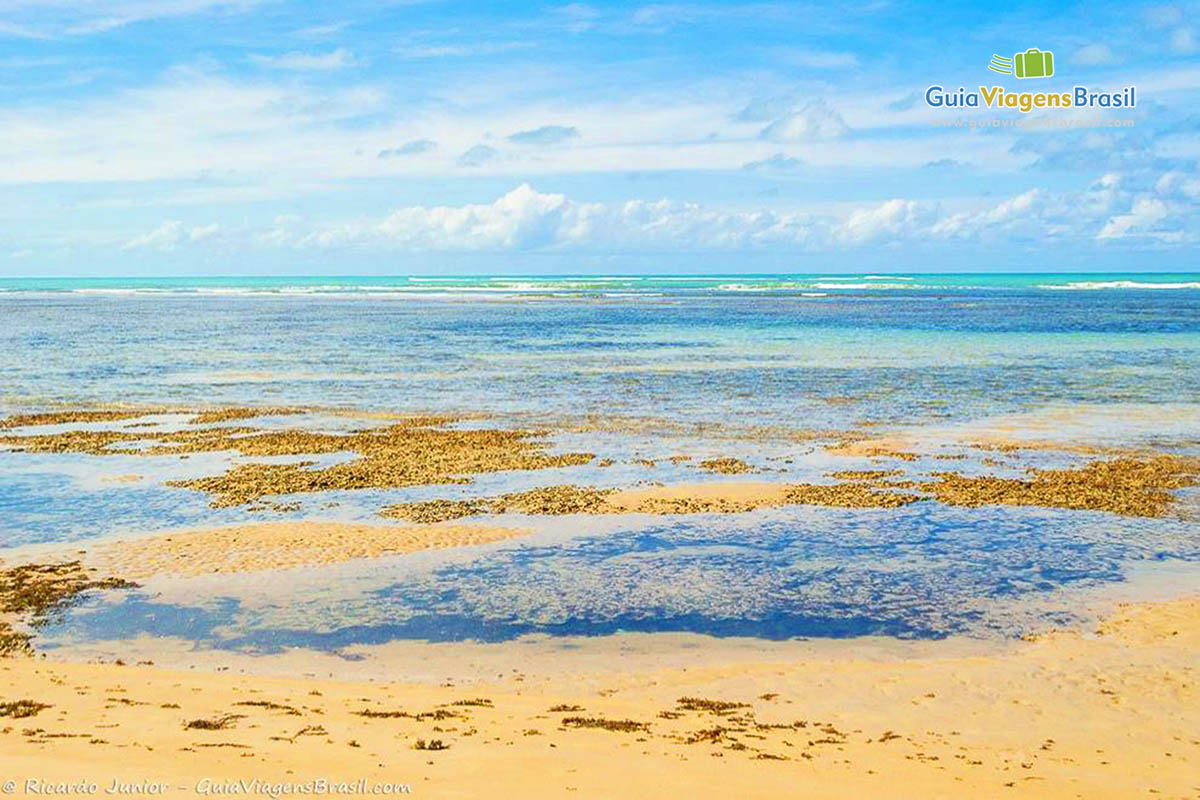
(1110, 713)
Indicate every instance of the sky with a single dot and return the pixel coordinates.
(194, 137)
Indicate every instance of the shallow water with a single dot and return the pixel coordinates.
(1111, 361)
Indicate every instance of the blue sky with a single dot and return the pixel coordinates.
(264, 136)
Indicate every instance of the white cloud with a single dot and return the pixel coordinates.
(335, 59)
(15, 31)
(1179, 184)
(169, 236)
(780, 162)
(409, 148)
(525, 219)
(545, 135)
(891, 220)
(472, 50)
(83, 17)
(1183, 40)
(576, 17)
(477, 156)
(815, 121)
(1164, 16)
(191, 124)
(1143, 218)
(1095, 55)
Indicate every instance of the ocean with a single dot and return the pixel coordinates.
(696, 362)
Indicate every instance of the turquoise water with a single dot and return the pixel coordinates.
(570, 284)
(1108, 359)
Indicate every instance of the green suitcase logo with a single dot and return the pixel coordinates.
(1033, 63)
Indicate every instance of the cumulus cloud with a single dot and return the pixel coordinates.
(1142, 219)
(525, 219)
(334, 59)
(815, 121)
(1028, 215)
(412, 148)
(545, 135)
(890, 220)
(169, 236)
(477, 156)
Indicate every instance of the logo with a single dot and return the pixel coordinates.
(1033, 63)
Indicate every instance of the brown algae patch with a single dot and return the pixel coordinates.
(433, 511)
(553, 500)
(230, 414)
(414, 452)
(848, 495)
(544, 500)
(1126, 486)
(395, 456)
(717, 498)
(614, 725)
(76, 416)
(1131, 487)
(35, 594)
(726, 466)
(864, 474)
(20, 709)
(280, 545)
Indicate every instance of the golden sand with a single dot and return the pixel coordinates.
(125, 478)
(278, 545)
(877, 447)
(1112, 715)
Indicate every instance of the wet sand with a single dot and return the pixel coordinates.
(1109, 714)
(278, 545)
